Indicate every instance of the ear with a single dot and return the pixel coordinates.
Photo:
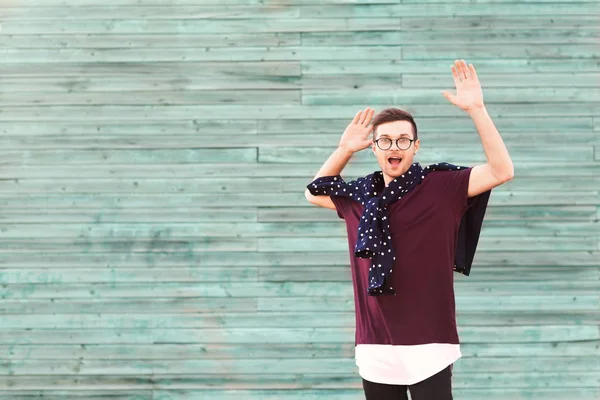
(417, 144)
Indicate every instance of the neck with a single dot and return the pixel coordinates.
(387, 179)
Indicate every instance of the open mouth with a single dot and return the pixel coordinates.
(395, 161)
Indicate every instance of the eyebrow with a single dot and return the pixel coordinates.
(401, 135)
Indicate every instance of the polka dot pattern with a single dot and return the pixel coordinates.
(374, 240)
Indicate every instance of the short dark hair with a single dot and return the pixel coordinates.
(391, 115)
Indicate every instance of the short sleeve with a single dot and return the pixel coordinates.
(457, 189)
(341, 204)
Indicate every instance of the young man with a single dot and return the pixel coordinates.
(409, 228)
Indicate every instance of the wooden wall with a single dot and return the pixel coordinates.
(155, 242)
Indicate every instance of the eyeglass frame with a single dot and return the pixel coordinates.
(396, 140)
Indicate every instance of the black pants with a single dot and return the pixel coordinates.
(436, 387)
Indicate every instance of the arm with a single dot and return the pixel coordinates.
(499, 167)
(355, 138)
(469, 97)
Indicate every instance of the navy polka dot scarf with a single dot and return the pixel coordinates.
(374, 239)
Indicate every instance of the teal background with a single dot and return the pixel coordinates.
(155, 242)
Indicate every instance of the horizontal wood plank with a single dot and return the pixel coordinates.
(473, 334)
(99, 41)
(493, 213)
(553, 386)
(116, 289)
(155, 97)
(267, 170)
(215, 258)
(315, 351)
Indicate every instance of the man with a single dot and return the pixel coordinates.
(409, 228)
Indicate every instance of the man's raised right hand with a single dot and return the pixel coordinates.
(356, 135)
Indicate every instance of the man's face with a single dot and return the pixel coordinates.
(394, 162)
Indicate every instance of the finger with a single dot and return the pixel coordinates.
(449, 96)
(455, 75)
(458, 71)
(369, 116)
(473, 72)
(356, 117)
(463, 70)
(364, 116)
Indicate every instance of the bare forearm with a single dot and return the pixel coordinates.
(495, 150)
(333, 166)
(335, 163)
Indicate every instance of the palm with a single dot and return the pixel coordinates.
(356, 135)
(468, 89)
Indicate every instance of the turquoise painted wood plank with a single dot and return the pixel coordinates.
(433, 96)
(439, 151)
(288, 53)
(523, 35)
(256, 11)
(117, 25)
(138, 306)
(418, 52)
(486, 243)
(173, 214)
(128, 245)
(140, 11)
(214, 258)
(80, 394)
(210, 258)
(493, 213)
(342, 365)
(177, 230)
(507, 125)
(299, 394)
(62, 274)
(138, 71)
(470, 334)
(137, 157)
(356, 394)
(546, 383)
(430, 140)
(199, 113)
(516, 184)
(347, 388)
(234, 78)
(99, 201)
(276, 350)
(281, 230)
(156, 97)
(267, 170)
(442, 9)
(142, 40)
(78, 71)
(103, 201)
(513, 304)
(342, 273)
(93, 129)
(72, 3)
(285, 319)
(484, 66)
(191, 185)
(249, 288)
(526, 80)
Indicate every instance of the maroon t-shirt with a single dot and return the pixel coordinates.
(424, 228)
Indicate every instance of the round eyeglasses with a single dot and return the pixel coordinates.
(402, 143)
